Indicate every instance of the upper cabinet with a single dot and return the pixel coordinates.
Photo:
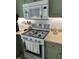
(55, 8)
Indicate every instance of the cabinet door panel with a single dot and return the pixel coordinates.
(53, 50)
(55, 8)
(50, 8)
(52, 55)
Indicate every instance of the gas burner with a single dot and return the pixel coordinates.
(33, 31)
(36, 33)
(39, 35)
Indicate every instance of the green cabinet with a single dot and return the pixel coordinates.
(55, 8)
(53, 51)
(19, 8)
(19, 45)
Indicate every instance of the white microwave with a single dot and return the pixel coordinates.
(36, 10)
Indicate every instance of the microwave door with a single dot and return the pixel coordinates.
(35, 12)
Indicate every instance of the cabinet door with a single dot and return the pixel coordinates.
(53, 51)
(55, 8)
(19, 9)
(50, 8)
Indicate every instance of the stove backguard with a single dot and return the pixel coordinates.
(41, 26)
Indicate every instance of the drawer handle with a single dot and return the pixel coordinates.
(53, 46)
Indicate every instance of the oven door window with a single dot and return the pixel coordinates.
(35, 12)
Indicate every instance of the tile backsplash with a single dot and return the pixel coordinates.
(54, 22)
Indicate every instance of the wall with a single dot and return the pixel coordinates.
(52, 21)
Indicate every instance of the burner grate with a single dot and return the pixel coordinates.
(37, 33)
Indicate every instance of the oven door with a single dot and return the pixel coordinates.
(33, 48)
(36, 54)
(35, 12)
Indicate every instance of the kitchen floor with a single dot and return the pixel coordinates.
(18, 58)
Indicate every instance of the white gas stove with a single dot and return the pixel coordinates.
(34, 40)
(35, 35)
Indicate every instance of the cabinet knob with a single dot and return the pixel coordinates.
(53, 46)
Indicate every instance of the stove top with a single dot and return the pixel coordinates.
(36, 33)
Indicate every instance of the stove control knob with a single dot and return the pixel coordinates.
(39, 42)
(31, 39)
(35, 40)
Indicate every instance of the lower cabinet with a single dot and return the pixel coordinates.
(53, 50)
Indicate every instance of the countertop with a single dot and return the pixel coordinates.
(18, 32)
(56, 38)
